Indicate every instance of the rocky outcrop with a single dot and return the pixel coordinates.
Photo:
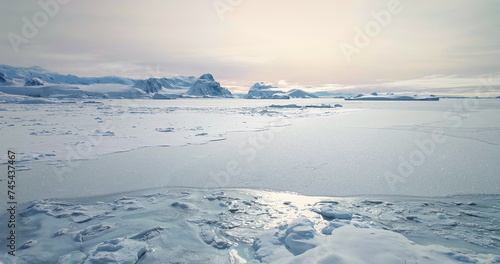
(33, 81)
(150, 85)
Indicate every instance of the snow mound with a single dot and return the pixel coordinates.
(349, 244)
(28, 244)
(92, 232)
(128, 204)
(284, 241)
(328, 230)
(286, 106)
(300, 236)
(332, 211)
(207, 86)
(298, 242)
(207, 234)
(118, 250)
(148, 233)
(183, 205)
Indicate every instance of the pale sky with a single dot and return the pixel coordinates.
(293, 43)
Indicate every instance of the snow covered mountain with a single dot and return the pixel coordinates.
(297, 93)
(150, 85)
(39, 82)
(174, 83)
(24, 73)
(178, 82)
(262, 91)
(207, 86)
(21, 74)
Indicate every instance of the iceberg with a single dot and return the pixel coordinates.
(262, 91)
(206, 86)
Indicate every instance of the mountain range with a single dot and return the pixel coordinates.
(38, 82)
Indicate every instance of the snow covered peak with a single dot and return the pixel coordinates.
(261, 86)
(207, 76)
(150, 85)
(180, 82)
(297, 93)
(207, 86)
(262, 91)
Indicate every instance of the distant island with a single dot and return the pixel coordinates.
(391, 97)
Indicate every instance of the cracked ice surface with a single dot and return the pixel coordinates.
(251, 226)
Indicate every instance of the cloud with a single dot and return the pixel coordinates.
(291, 43)
(282, 83)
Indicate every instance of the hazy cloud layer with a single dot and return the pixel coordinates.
(292, 42)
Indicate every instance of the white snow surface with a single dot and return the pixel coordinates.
(361, 148)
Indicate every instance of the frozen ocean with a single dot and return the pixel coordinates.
(252, 181)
